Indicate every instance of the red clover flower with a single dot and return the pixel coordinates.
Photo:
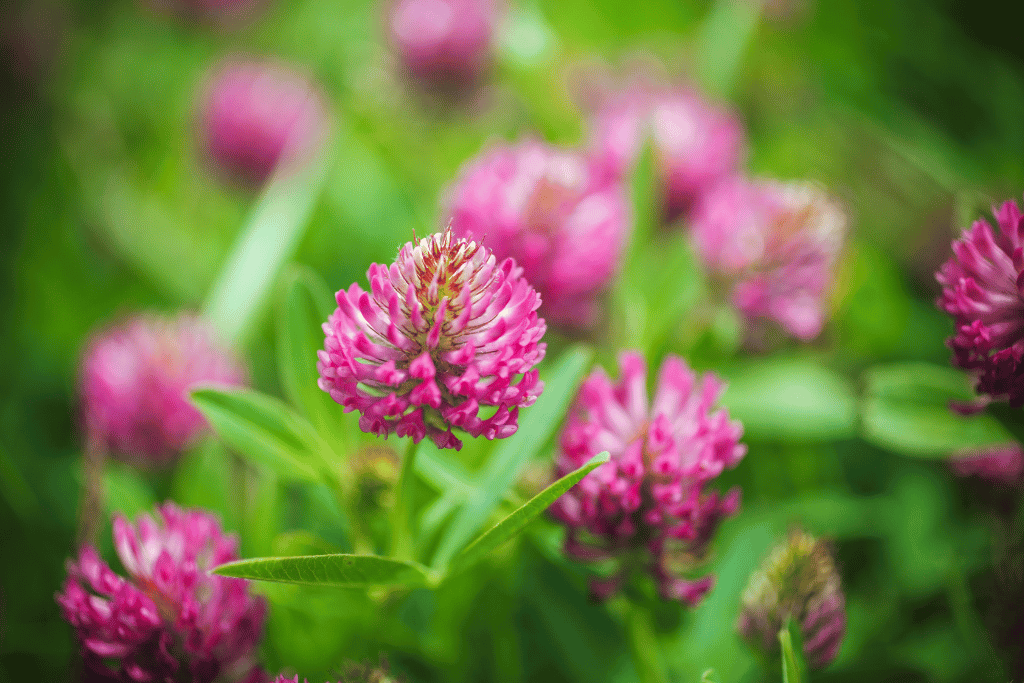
(170, 620)
(446, 337)
(648, 505)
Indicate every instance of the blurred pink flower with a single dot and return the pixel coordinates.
(776, 245)
(135, 380)
(982, 290)
(539, 205)
(258, 115)
(443, 41)
(442, 336)
(695, 143)
(170, 620)
(650, 496)
(999, 464)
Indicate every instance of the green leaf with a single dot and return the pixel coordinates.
(906, 410)
(342, 571)
(727, 30)
(536, 426)
(517, 521)
(265, 430)
(791, 399)
(304, 305)
(298, 542)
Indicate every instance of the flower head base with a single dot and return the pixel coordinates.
(983, 289)
(798, 581)
(647, 505)
(353, 673)
(135, 380)
(443, 42)
(696, 144)
(258, 116)
(541, 206)
(776, 244)
(445, 333)
(170, 619)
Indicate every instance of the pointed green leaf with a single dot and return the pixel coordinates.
(517, 521)
(265, 430)
(343, 571)
(536, 426)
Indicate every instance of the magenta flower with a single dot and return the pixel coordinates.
(696, 144)
(540, 205)
(135, 380)
(446, 42)
(797, 581)
(445, 334)
(999, 464)
(170, 620)
(982, 290)
(648, 504)
(775, 244)
(257, 116)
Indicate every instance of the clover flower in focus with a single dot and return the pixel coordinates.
(170, 619)
(443, 42)
(696, 144)
(257, 116)
(541, 206)
(447, 337)
(983, 290)
(647, 507)
(775, 245)
(135, 379)
(798, 581)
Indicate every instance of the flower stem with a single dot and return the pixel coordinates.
(643, 646)
(792, 659)
(401, 532)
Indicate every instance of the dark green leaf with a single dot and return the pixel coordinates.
(344, 571)
(517, 521)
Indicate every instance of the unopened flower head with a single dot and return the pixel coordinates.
(648, 506)
(695, 143)
(257, 116)
(541, 206)
(982, 290)
(353, 673)
(799, 582)
(998, 464)
(135, 380)
(775, 245)
(447, 337)
(446, 42)
(170, 619)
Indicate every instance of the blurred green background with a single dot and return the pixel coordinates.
(911, 112)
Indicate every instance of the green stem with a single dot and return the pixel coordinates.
(358, 532)
(792, 655)
(643, 646)
(401, 533)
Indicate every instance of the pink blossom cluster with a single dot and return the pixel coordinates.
(648, 505)
(446, 42)
(982, 291)
(546, 208)
(135, 380)
(775, 244)
(446, 334)
(258, 115)
(170, 619)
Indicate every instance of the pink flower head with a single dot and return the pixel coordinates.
(649, 500)
(776, 244)
(540, 205)
(170, 619)
(696, 144)
(983, 289)
(443, 41)
(999, 464)
(257, 116)
(135, 380)
(444, 334)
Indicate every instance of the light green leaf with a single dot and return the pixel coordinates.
(342, 571)
(265, 430)
(536, 426)
(790, 399)
(906, 410)
(517, 521)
